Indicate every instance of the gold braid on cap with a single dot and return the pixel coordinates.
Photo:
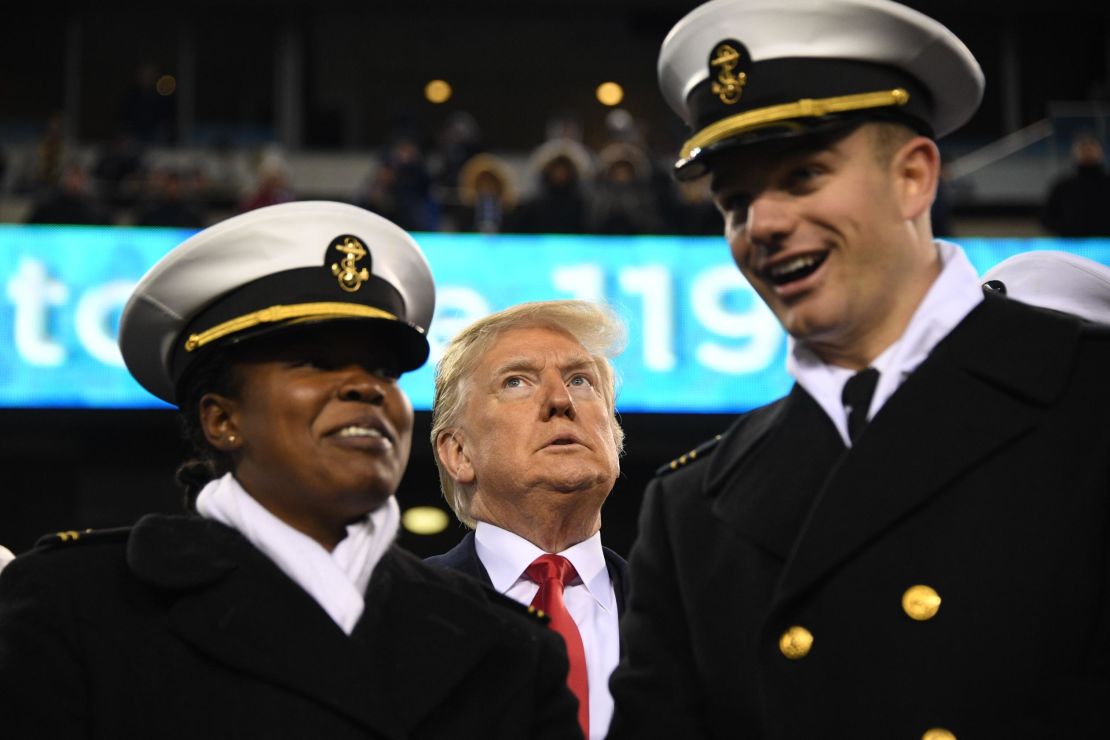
(276, 314)
(804, 108)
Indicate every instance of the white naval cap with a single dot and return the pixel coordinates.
(741, 71)
(6, 556)
(272, 269)
(1058, 280)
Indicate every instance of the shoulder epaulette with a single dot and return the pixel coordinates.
(87, 536)
(695, 454)
(512, 604)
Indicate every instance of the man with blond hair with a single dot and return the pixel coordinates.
(527, 442)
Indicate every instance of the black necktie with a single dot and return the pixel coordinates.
(857, 399)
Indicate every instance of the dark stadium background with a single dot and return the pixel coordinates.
(358, 69)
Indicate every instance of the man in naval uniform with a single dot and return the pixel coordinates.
(913, 543)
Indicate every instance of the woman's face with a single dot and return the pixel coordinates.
(322, 431)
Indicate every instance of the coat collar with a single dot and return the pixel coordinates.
(984, 385)
(463, 557)
(781, 476)
(232, 604)
(764, 472)
(618, 572)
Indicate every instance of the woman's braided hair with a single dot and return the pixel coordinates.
(212, 374)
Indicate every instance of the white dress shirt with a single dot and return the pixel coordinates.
(591, 601)
(953, 295)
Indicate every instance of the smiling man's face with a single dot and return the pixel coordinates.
(537, 430)
(822, 235)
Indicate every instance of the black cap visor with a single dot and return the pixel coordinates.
(309, 297)
(404, 342)
(796, 97)
(814, 132)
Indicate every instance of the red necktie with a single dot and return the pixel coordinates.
(553, 573)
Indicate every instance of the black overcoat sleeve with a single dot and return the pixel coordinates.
(42, 689)
(656, 688)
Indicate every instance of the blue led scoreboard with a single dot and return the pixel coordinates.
(700, 340)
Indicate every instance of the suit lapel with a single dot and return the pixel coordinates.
(240, 610)
(463, 557)
(618, 574)
(765, 495)
(469, 562)
(980, 389)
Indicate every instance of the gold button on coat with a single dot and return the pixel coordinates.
(921, 603)
(938, 733)
(796, 642)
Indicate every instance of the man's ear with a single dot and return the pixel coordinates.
(219, 422)
(452, 450)
(916, 167)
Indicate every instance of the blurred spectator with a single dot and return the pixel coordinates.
(271, 184)
(379, 193)
(697, 214)
(459, 140)
(563, 127)
(71, 202)
(559, 205)
(683, 208)
(118, 169)
(3, 170)
(623, 202)
(400, 188)
(172, 203)
(487, 194)
(50, 153)
(147, 114)
(220, 178)
(1079, 204)
(621, 126)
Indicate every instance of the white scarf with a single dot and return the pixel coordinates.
(336, 580)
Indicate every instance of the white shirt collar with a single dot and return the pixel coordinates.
(952, 296)
(506, 556)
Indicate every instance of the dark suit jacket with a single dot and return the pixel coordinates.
(179, 628)
(986, 476)
(463, 557)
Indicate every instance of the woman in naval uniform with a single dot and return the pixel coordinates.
(279, 606)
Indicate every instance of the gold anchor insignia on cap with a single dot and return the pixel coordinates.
(350, 276)
(729, 84)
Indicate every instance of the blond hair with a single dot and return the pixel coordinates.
(596, 327)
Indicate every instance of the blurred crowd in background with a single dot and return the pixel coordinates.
(453, 180)
(181, 114)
